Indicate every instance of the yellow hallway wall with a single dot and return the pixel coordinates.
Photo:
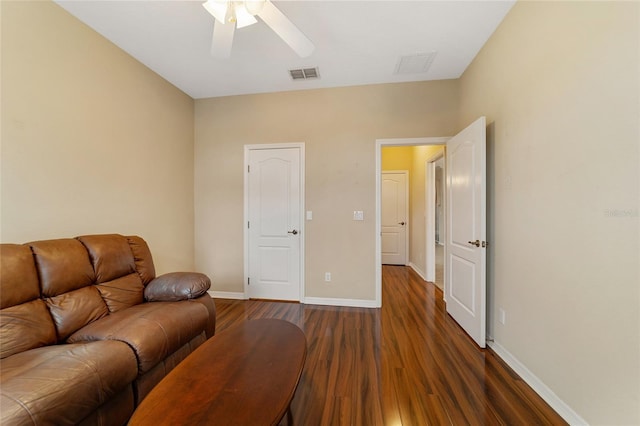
(418, 206)
(92, 140)
(559, 84)
(397, 158)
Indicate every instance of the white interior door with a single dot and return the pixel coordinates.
(465, 278)
(274, 223)
(394, 217)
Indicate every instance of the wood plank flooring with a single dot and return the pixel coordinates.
(407, 363)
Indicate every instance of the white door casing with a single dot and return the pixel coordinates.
(430, 215)
(274, 206)
(465, 277)
(394, 217)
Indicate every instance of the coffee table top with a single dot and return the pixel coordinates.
(245, 375)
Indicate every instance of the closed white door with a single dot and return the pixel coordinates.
(274, 225)
(394, 218)
(465, 278)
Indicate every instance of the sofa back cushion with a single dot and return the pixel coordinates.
(73, 310)
(143, 259)
(123, 292)
(19, 277)
(25, 326)
(117, 280)
(63, 266)
(111, 256)
(25, 322)
(67, 278)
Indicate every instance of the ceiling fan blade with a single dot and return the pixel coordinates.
(288, 32)
(222, 39)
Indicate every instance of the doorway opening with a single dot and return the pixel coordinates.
(420, 224)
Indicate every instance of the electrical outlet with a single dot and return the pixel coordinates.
(502, 316)
(327, 276)
(358, 215)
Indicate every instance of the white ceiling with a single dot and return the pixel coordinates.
(357, 42)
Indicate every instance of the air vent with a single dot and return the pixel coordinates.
(415, 64)
(304, 73)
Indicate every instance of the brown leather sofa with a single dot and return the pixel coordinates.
(87, 330)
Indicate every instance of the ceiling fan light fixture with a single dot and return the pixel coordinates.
(239, 15)
(254, 6)
(218, 9)
(242, 16)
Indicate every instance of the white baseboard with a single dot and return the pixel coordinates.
(538, 386)
(353, 303)
(417, 270)
(227, 295)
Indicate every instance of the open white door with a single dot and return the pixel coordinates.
(465, 284)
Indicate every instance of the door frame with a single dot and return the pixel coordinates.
(379, 144)
(430, 210)
(247, 149)
(406, 209)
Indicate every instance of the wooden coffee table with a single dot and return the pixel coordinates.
(245, 375)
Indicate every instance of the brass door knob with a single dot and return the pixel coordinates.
(475, 243)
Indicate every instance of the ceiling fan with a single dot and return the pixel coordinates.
(230, 14)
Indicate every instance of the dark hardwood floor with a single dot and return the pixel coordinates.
(407, 363)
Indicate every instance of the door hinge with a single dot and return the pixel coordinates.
(248, 225)
(248, 169)
(248, 281)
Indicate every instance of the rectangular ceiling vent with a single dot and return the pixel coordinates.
(304, 73)
(415, 64)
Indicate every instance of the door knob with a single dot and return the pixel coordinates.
(294, 232)
(475, 243)
(401, 223)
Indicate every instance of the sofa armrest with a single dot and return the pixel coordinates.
(177, 286)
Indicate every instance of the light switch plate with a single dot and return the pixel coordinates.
(358, 215)
(309, 215)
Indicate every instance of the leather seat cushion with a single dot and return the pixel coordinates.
(62, 384)
(153, 330)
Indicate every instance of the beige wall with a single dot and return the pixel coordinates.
(558, 83)
(92, 141)
(339, 127)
